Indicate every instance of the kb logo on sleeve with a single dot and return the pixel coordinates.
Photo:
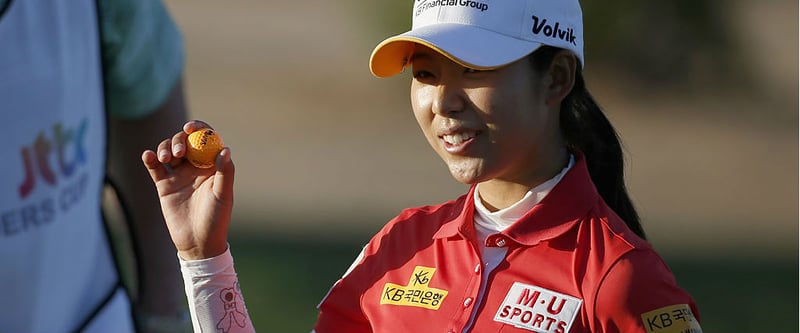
(671, 319)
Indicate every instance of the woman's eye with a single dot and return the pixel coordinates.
(422, 74)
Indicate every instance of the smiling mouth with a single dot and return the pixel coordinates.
(458, 138)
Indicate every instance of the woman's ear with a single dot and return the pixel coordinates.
(562, 77)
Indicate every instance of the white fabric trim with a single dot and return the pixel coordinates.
(215, 299)
(498, 221)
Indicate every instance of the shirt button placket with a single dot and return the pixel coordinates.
(467, 302)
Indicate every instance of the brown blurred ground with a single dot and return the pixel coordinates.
(319, 143)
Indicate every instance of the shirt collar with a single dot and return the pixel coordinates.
(503, 218)
(457, 225)
(556, 214)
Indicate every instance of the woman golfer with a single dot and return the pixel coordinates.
(546, 239)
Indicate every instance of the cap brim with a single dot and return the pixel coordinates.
(466, 45)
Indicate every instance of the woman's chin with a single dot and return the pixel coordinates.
(466, 175)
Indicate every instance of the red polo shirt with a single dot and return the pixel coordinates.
(571, 266)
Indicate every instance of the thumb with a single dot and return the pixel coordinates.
(223, 178)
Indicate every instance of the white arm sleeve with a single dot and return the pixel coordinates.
(215, 299)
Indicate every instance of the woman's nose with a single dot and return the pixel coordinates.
(448, 99)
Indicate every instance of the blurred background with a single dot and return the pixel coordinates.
(703, 93)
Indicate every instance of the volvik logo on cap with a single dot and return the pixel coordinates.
(541, 26)
(483, 34)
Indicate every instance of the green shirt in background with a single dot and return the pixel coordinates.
(142, 51)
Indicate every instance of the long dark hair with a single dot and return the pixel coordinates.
(586, 129)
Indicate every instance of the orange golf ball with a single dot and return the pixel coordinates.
(203, 147)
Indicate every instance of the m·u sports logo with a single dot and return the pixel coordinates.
(538, 309)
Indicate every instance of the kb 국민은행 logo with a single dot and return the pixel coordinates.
(417, 293)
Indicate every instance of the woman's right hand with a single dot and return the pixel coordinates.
(196, 203)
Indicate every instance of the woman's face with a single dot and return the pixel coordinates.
(485, 125)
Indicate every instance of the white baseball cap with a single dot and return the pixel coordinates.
(483, 34)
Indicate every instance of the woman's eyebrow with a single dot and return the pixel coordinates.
(419, 56)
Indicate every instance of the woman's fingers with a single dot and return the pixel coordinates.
(194, 125)
(179, 139)
(156, 169)
(179, 144)
(167, 154)
(164, 151)
(171, 151)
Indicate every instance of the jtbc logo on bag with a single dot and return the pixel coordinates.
(538, 309)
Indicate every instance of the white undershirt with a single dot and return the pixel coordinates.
(488, 223)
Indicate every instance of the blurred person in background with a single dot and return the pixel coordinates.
(546, 239)
(83, 84)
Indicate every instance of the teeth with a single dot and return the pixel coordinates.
(458, 138)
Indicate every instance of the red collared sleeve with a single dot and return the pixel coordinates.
(639, 294)
(340, 312)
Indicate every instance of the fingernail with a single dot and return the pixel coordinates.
(163, 155)
(224, 157)
(178, 148)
